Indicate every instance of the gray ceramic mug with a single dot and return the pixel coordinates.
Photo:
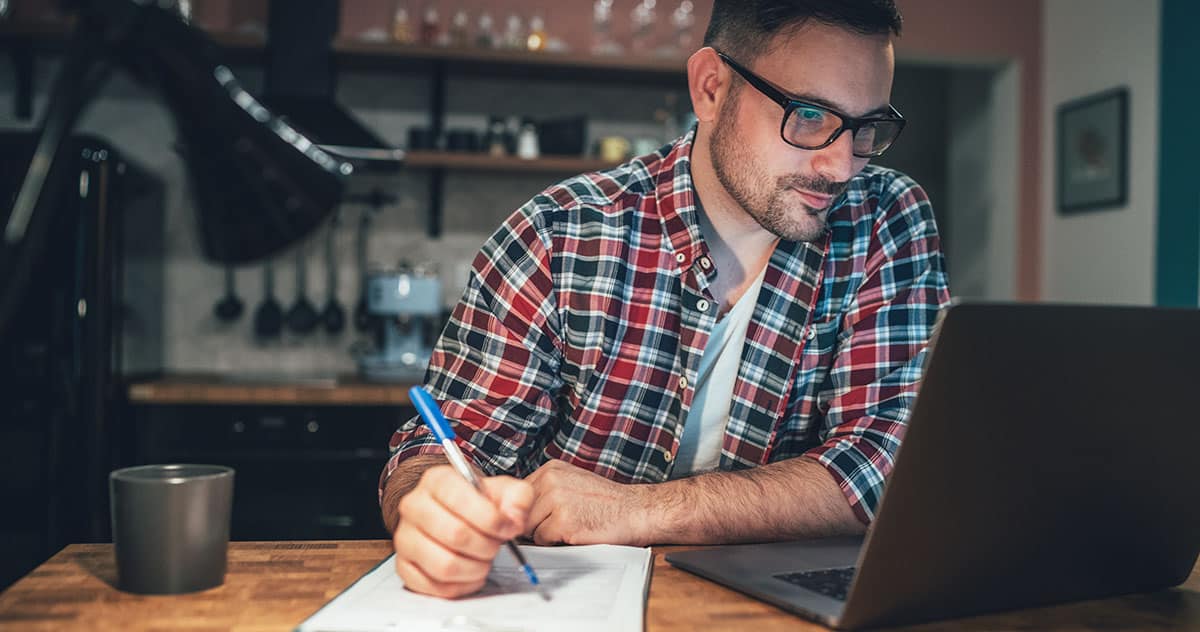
(170, 526)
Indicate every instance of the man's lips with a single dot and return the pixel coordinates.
(814, 200)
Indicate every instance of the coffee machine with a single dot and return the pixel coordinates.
(406, 306)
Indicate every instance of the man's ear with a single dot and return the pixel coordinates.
(708, 83)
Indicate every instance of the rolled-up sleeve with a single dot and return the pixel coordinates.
(494, 370)
(886, 327)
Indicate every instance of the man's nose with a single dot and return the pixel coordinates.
(836, 162)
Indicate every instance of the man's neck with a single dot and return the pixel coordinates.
(739, 246)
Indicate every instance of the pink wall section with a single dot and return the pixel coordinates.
(989, 31)
(938, 30)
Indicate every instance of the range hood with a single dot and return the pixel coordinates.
(300, 83)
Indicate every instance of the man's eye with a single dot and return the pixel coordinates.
(809, 114)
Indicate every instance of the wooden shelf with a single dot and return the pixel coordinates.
(363, 54)
(483, 162)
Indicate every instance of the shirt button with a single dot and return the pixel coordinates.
(668, 457)
(680, 257)
(683, 383)
(705, 263)
(810, 333)
(702, 305)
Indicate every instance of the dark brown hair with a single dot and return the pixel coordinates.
(743, 28)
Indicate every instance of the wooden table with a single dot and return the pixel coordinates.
(276, 585)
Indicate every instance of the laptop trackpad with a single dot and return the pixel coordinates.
(755, 569)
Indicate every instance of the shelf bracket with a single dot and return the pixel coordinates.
(437, 121)
(22, 58)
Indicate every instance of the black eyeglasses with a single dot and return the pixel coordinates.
(811, 126)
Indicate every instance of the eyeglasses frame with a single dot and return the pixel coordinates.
(790, 105)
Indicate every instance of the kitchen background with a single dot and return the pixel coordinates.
(979, 81)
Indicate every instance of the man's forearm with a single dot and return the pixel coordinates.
(796, 498)
(402, 480)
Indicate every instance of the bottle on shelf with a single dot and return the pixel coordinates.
(402, 32)
(514, 33)
(528, 147)
(429, 26)
(642, 22)
(536, 40)
(495, 141)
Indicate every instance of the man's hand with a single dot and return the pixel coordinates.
(575, 506)
(449, 533)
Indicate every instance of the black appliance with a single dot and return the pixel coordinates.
(72, 338)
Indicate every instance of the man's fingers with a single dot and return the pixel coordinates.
(453, 492)
(449, 530)
(543, 506)
(417, 581)
(435, 561)
(514, 498)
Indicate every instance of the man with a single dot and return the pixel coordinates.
(719, 342)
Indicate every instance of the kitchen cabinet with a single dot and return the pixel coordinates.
(307, 456)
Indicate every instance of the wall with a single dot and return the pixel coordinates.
(1106, 255)
(1005, 39)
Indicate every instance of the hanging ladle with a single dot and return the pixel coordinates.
(268, 318)
(230, 307)
(333, 315)
(302, 317)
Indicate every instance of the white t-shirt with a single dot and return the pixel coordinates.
(704, 428)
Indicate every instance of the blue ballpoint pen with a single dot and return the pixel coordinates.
(432, 415)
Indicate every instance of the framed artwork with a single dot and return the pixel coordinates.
(1093, 152)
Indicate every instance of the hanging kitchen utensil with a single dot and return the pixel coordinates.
(333, 315)
(268, 318)
(302, 316)
(230, 307)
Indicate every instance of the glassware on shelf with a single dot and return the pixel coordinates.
(603, 42)
(683, 27)
(486, 37)
(642, 21)
(460, 29)
(514, 33)
(185, 9)
(402, 31)
(495, 140)
(536, 40)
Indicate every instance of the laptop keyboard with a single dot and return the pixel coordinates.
(832, 582)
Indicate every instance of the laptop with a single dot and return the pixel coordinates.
(1050, 457)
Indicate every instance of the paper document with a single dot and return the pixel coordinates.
(598, 587)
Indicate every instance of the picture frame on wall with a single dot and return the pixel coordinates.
(1093, 152)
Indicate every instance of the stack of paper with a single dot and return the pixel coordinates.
(600, 587)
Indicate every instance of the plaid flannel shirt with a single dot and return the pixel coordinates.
(586, 314)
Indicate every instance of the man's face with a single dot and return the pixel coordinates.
(788, 190)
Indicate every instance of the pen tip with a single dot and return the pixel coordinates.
(537, 585)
